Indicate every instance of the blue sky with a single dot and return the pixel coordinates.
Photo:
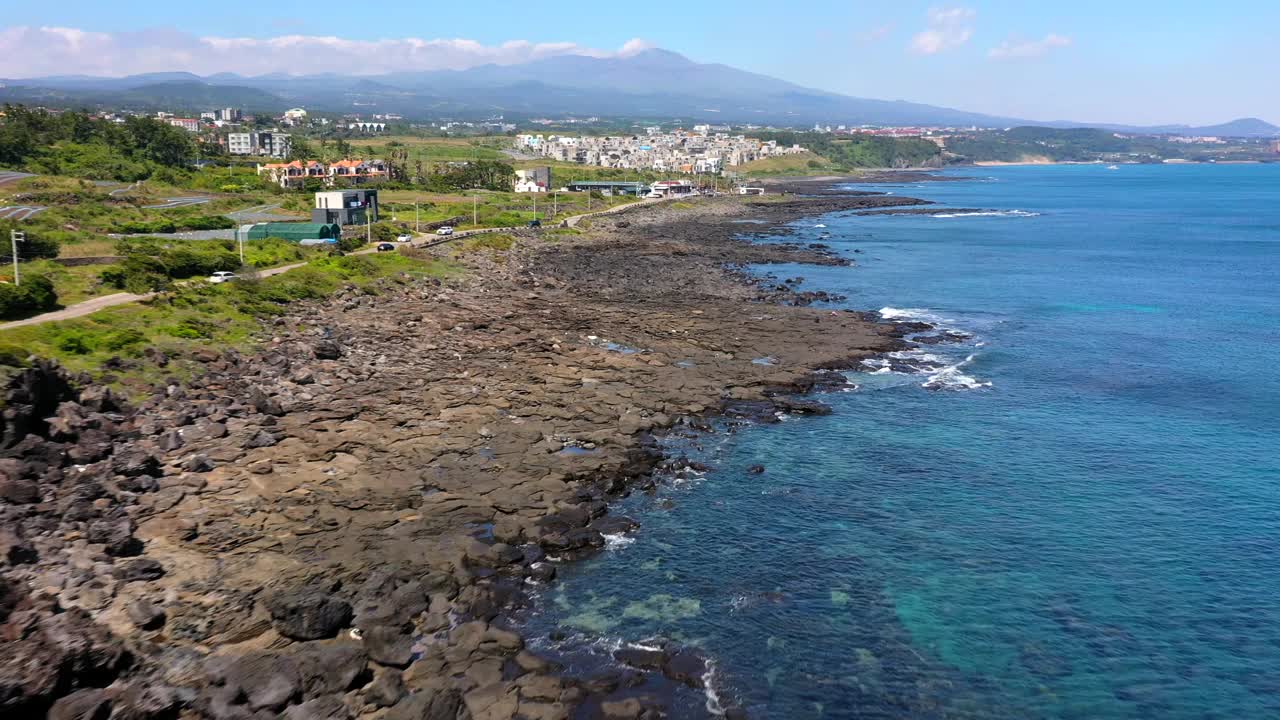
(1135, 61)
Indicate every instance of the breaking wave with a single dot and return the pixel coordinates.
(987, 213)
(940, 372)
(951, 378)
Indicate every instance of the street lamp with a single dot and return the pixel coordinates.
(15, 237)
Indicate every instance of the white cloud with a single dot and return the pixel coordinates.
(948, 28)
(1015, 48)
(634, 46)
(36, 51)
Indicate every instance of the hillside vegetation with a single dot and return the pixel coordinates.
(862, 151)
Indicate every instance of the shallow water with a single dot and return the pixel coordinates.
(1078, 517)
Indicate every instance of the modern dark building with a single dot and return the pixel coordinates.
(608, 187)
(345, 207)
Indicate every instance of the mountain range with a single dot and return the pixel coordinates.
(650, 84)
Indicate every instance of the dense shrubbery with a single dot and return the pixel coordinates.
(39, 243)
(862, 150)
(199, 222)
(152, 264)
(35, 294)
(73, 143)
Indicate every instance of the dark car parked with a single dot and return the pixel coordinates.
(386, 247)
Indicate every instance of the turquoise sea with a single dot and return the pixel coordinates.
(1073, 512)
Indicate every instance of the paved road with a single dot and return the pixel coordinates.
(259, 213)
(20, 212)
(12, 175)
(77, 310)
(177, 202)
(125, 189)
(93, 305)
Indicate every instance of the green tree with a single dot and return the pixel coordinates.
(300, 149)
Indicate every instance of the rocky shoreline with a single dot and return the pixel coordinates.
(338, 525)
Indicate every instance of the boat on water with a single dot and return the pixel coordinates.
(1113, 167)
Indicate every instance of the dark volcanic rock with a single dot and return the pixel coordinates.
(327, 350)
(686, 666)
(642, 658)
(18, 490)
(116, 536)
(88, 704)
(149, 702)
(261, 439)
(15, 549)
(140, 570)
(331, 666)
(389, 645)
(55, 654)
(308, 615)
(329, 707)
(145, 615)
(427, 705)
(258, 681)
(386, 689)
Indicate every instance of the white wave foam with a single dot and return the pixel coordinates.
(988, 213)
(714, 705)
(893, 313)
(617, 540)
(951, 378)
(917, 355)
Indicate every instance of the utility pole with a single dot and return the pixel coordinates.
(368, 226)
(475, 209)
(535, 205)
(15, 237)
(555, 204)
(415, 216)
(240, 242)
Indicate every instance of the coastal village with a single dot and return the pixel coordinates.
(431, 385)
(700, 151)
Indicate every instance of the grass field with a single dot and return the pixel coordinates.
(429, 150)
(805, 163)
(218, 317)
(494, 209)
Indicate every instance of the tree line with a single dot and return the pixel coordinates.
(862, 151)
(77, 144)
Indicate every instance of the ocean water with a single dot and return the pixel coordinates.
(1072, 512)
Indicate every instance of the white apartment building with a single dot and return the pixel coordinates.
(268, 144)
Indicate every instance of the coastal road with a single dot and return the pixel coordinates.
(93, 305)
(259, 213)
(20, 212)
(79, 309)
(122, 190)
(177, 202)
(12, 175)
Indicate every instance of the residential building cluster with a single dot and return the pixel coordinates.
(351, 172)
(263, 144)
(701, 151)
(492, 125)
(1198, 140)
(533, 180)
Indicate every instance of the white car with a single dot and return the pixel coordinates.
(223, 276)
(404, 237)
(446, 230)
